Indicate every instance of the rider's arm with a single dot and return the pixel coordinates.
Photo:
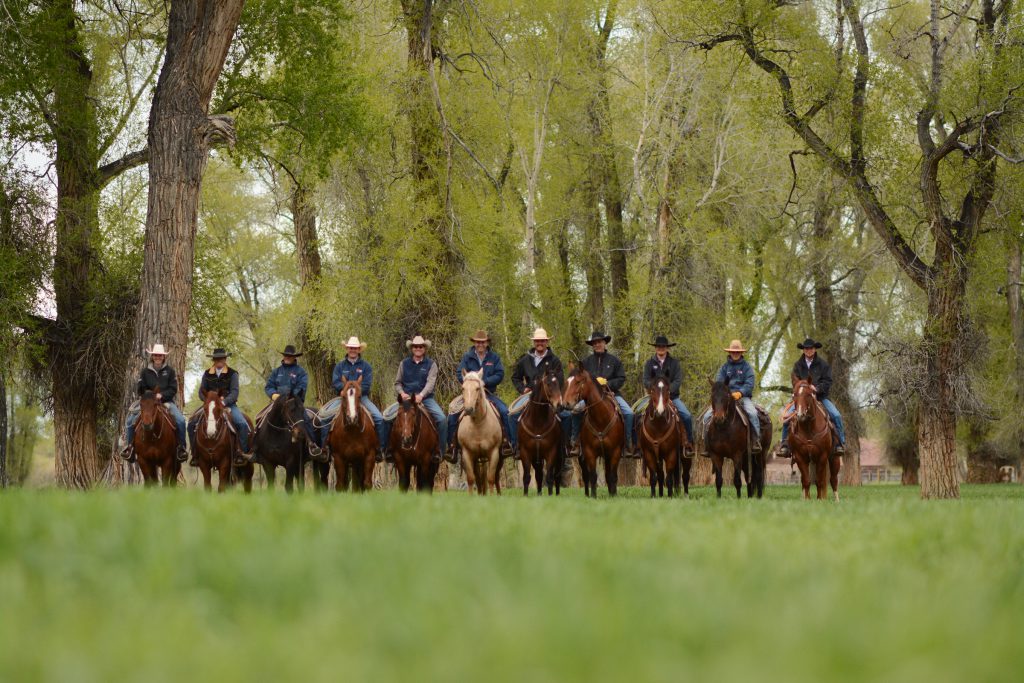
(232, 397)
(675, 380)
(367, 380)
(167, 395)
(618, 377)
(428, 387)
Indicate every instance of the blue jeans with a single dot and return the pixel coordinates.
(627, 416)
(687, 418)
(453, 420)
(748, 407)
(179, 424)
(378, 423)
(237, 419)
(833, 413)
(439, 421)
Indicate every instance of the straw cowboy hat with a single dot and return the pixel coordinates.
(480, 336)
(661, 340)
(598, 336)
(540, 334)
(290, 351)
(354, 343)
(157, 350)
(735, 347)
(218, 353)
(417, 341)
(809, 344)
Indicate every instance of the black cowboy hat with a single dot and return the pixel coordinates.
(218, 353)
(290, 351)
(661, 340)
(809, 344)
(599, 336)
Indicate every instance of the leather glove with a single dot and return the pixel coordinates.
(602, 381)
(737, 395)
(274, 397)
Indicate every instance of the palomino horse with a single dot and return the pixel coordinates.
(156, 442)
(811, 440)
(215, 445)
(479, 435)
(603, 432)
(280, 441)
(412, 443)
(353, 442)
(727, 438)
(540, 434)
(662, 439)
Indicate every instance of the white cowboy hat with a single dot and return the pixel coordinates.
(354, 343)
(158, 349)
(540, 334)
(417, 341)
(735, 346)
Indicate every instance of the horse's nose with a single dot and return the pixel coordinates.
(469, 410)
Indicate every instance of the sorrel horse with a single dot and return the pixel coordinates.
(811, 441)
(156, 442)
(603, 432)
(479, 434)
(215, 445)
(662, 439)
(540, 434)
(280, 441)
(727, 438)
(412, 443)
(353, 442)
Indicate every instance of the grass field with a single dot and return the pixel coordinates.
(176, 586)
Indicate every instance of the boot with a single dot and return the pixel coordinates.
(315, 452)
(182, 454)
(436, 457)
(194, 460)
(783, 451)
(631, 451)
(127, 453)
(452, 453)
(506, 448)
(755, 447)
(574, 449)
(840, 449)
(379, 455)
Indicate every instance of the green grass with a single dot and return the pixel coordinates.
(176, 586)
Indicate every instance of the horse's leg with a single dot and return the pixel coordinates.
(403, 474)
(805, 475)
(369, 463)
(737, 479)
(687, 464)
(204, 467)
(524, 458)
(822, 483)
(492, 470)
(340, 473)
(270, 472)
(149, 477)
(291, 471)
(224, 474)
(834, 465)
(469, 469)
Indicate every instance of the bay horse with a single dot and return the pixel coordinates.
(412, 443)
(215, 444)
(727, 438)
(811, 441)
(156, 442)
(280, 441)
(479, 434)
(540, 434)
(353, 441)
(662, 440)
(603, 432)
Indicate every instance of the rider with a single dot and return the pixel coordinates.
(739, 376)
(353, 367)
(609, 373)
(223, 379)
(535, 362)
(290, 379)
(415, 380)
(813, 367)
(161, 379)
(482, 357)
(664, 363)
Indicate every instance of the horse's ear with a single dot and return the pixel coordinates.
(572, 367)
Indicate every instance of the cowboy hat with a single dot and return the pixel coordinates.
(661, 340)
(354, 343)
(480, 336)
(218, 353)
(157, 350)
(809, 344)
(735, 346)
(540, 334)
(598, 336)
(290, 351)
(417, 341)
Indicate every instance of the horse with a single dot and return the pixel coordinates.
(811, 440)
(412, 443)
(479, 434)
(603, 432)
(280, 441)
(215, 444)
(727, 438)
(353, 441)
(540, 434)
(662, 440)
(156, 442)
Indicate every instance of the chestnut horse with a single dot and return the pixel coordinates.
(540, 434)
(727, 438)
(811, 440)
(603, 431)
(353, 442)
(156, 442)
(412, 443)
(280, 441)
(215, 445)
(662, 439)
(479, 435)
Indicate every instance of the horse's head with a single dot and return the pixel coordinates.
(293, 412)
(351, 394)
(722, 402)
(803, 399)
(579, 385)
(660, 395)
(407, 422)
(546, 388)
(472, 391)
(147, 410)
(213, 408)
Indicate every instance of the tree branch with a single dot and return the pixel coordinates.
(108, 172)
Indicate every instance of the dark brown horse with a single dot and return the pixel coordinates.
(662, 439)
(156, 442)
(727, 438)
(280, 441)
(412, 443)
(353, 442)
(215, 444)
(811, 441)
(603, 431)
(540, 434)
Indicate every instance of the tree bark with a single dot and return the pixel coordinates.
(3, 430)
(1015, 310)
(319, 359)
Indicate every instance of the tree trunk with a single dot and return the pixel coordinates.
(319, 360)
(1014, 309)
(3, 430)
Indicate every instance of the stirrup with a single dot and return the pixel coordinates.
(840, 449)
(182, 454)
(127, 454)
(783, 451)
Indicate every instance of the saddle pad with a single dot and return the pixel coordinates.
(519, 405)
(330, 409)
(641, 404)
(262, 415)
(391, 412)
(456, 406)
